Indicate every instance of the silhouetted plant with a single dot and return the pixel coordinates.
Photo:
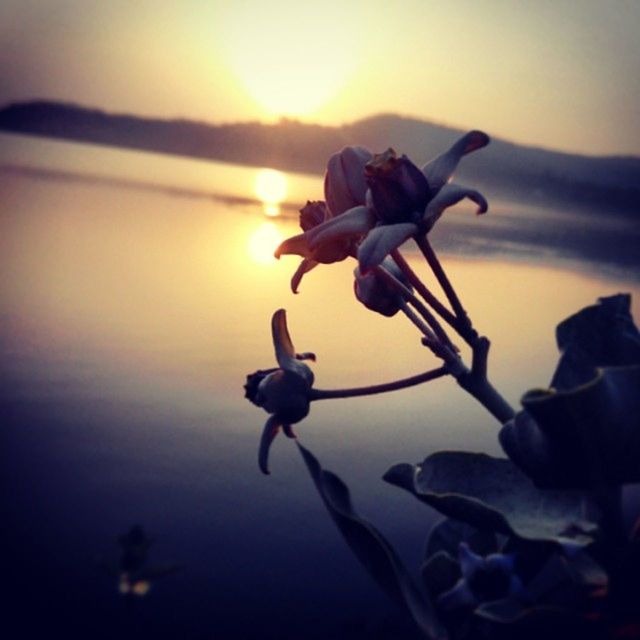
(533, 544)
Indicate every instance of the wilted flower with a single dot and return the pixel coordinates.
(401, 201)
(376, 293)
(284, 392)
(344, 188)
(484, 579)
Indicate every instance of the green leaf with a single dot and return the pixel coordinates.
(372, 549)
(492, 494)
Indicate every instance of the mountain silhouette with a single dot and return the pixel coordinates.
(603, 184)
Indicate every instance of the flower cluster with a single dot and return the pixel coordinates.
(375, 202)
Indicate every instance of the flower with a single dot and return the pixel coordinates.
(284, 392)
(483, 579)
(401, 201)
(376, 293)
(344, 188)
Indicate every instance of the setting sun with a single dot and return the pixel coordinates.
(290, 69)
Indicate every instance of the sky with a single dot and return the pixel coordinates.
(562, 74)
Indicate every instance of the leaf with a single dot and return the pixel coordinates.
(492, 494)
(440, 573)
(372, 549)
(602, 335)
(448, 534)
(580, 438)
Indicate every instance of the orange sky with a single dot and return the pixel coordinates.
(562, 74)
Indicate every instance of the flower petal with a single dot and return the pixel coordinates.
(356, 221)
(284, 348)
(381, 241)
(269, 433)
(449, 195)
(440, 169)
(285, 351)
(304, 267)
(296, 245)
(344, 183)
(470, 562)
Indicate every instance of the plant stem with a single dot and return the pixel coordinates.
(322, 394)
(417, 321)
(421, 288)
(476, 383)
(463, 324)
(407, 295)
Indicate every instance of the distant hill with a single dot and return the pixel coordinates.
(601, 184)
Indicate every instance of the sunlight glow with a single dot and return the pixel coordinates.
(271, 189)
(271, 186)
(263, 242)
(290, 69)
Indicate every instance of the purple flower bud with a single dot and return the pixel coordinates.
(375, 292)
(399, 190)
(313, 214)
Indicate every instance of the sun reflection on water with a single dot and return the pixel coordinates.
(271, 189)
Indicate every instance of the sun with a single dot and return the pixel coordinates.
(280, 54)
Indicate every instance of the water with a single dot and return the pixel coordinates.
(134, 299)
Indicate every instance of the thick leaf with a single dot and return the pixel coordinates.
(440, 573)
(602, 335)
(492, 494)
(447, 535)
(371, 548)
(582, 438)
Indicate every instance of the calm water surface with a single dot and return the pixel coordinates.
(132, 305)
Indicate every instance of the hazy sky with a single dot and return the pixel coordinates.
(556, 73)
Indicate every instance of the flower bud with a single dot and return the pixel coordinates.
(375, 292)
(285, 394)
(313, 214)
(253, 383)
(398, 188)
